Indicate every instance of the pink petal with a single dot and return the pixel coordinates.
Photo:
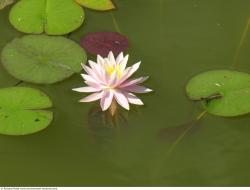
(119, 58)
(95, 67)
(133, 99)
(133, 82)
(111, 58)
(107, 78)
(113, 79)
(121, 99)
(86, 68)
(123, 63)
(94, 84)
(138, 89)
(92, 97)
(87, 89)
(102, 75)
(107, 63)
(100, 60)
(129, 71)
(89, 78)
(92, 73)
(106, 99)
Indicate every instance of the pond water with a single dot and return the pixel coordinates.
(159, 144)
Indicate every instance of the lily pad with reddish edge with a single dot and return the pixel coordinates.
(101, 43)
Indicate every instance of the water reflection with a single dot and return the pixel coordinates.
(103, 125)
(170, 134)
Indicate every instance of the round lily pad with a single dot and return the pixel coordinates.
(101, 43)
(222, 92)
(51, 16)
(101, 5)
(42, 59)
(21, 111)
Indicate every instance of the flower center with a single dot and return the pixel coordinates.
(111, 69)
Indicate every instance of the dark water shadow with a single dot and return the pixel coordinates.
(170, 134)
(103, 127)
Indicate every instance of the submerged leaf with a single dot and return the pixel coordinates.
(21, 111)
(101, 5)
(222, 92)
(42, 59)
(51, 16)
(103, 42)
(5, 3)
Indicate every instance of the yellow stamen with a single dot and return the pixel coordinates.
(111, 69)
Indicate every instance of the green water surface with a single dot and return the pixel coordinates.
(157, 144)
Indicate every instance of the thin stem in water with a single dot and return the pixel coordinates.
(242, 39)
(177, 141)
(117, 28)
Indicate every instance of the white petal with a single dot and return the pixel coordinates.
(129, 72)
(89, 78)
(95, 75)
(138, 89)
(119, 58)
(111, 58)
(133, 82)
(107, 77)
(100, 60)
(92, 97)
(113, 79)
(107, 63)
(106, 100)
(121, 99)
(133, 99)
(86, 89)
(94, 84)
(92, 63)
(86, 69)
(95, 67)
(123, 63)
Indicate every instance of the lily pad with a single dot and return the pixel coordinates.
(42, 59)
(21, 111)
(101, 5)
(5, 3)
(51, 16)
(222, 92)
(101, 43)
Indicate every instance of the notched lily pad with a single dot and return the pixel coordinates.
(42, 59)
(51, 16)
(101, 5)
(222, 92)
(5, 3)
(103, 42)
(21, 111)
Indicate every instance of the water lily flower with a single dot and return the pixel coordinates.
(108, 80)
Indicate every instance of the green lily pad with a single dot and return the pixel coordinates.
(222, 92)
(51, 16)
(42, 59)
(21, 111)
(5, 3)
(101, 5)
